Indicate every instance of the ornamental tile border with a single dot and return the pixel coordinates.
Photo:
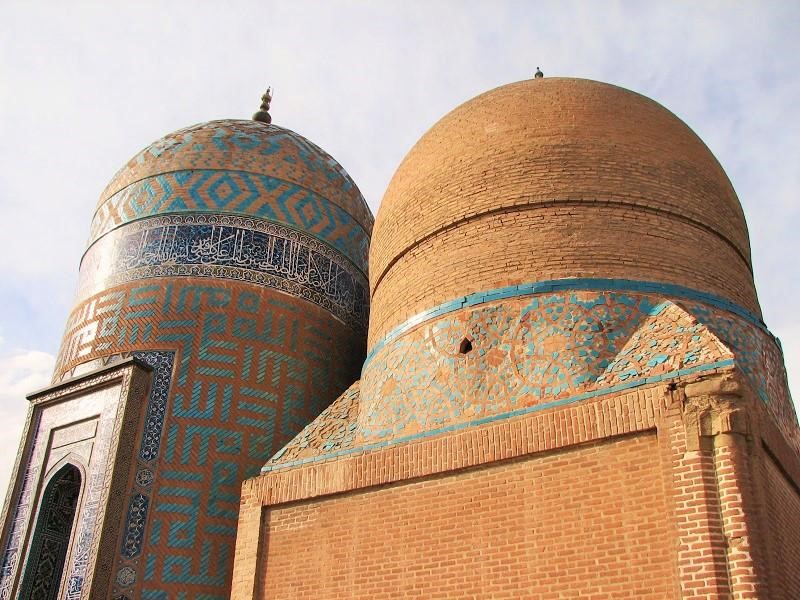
(530, 353)
(556, 285)
(229, 247)
(252, 195)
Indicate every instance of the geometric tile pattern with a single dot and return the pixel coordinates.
(252, 147)
(239, 193)
(334, 430)
(251, 367)
(230, 257)
(502, 358)
(228, 247)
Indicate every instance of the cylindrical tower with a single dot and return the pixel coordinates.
(230, 256)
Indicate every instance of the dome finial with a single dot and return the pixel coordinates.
(538, 74)
(263, 112)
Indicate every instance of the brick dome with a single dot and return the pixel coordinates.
(549, 179)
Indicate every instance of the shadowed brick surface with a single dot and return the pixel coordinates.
(783, 505)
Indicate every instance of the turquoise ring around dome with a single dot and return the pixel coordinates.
(241, 168)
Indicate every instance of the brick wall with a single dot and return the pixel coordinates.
(783, 505)
(590, 520)
(251, 368)
(681, 490)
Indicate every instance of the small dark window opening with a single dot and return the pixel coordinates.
(465, 347)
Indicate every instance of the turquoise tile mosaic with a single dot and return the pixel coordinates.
(530, 352)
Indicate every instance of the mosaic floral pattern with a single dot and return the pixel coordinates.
(525, 352)
(496, 359)
(144, 477)
(161, 363)
(149, 448)
(134, 526)
(334, 429)
(226, 247)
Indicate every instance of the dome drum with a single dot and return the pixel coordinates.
(534, 347)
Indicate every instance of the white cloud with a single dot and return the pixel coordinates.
(21, 372)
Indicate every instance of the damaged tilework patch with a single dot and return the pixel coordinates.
(333, 431)
(759, 358)
(526, 351)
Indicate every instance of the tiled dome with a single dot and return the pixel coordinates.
(245, 168)
(555, 178)
(255, 201)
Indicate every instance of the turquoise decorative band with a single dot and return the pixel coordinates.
(562, 285)
(235, 193)
(495, 360)
(228, 247)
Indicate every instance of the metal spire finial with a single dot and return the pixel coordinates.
(538, 74)
(263, 112)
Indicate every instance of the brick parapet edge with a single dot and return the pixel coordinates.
(710, 429)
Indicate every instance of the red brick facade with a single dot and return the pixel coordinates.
(568, 391)
(489, 531)
(656, 493)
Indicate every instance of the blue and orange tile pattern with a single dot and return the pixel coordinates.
(497, 359)
(231, 257)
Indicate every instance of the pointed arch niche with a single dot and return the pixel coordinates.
(51, 536)
(74, 465)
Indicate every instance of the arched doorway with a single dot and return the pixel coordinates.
(44, 568)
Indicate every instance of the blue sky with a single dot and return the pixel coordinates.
(85, 85)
